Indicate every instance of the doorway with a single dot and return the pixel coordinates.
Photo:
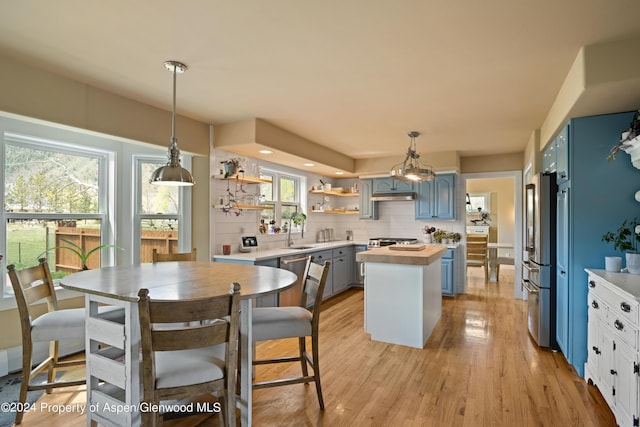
(495, 203)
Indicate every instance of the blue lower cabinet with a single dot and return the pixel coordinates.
(449, 276)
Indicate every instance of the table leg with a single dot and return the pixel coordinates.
(113, 356)
(246, 356)
(493, 259)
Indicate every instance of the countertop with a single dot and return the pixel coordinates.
(385, 255)
(262, 254)
(627, 282)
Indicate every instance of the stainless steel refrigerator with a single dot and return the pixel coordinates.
(539, 267)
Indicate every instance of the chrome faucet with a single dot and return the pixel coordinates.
(289, 241)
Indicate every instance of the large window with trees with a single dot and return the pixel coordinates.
(55, 204)
(158, 211)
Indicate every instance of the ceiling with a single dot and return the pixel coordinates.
(354, 76)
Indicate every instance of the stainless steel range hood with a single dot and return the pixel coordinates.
(392, 197)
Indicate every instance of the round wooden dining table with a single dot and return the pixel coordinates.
(113, 377)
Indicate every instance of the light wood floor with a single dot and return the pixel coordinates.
(479, 368)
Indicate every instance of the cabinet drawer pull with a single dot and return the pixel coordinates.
(592, 284)
(625, 307)
(595, 304)
(596, 349)
(613, 372)
(618, 324)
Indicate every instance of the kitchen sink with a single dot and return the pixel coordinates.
(300, 247)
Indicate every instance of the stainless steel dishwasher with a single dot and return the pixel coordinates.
(296, 264)
(359, 274)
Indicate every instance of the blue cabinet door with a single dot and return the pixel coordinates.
(549, 158)
(562, 272)
(391, 185)
(447, 276)
(436, 199)
(424, 200)
(368, 209)
(562, 155)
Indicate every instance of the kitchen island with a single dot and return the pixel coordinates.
(402, 293)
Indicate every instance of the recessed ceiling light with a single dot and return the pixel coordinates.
(339, 173)
(309, 164)
(265, 152)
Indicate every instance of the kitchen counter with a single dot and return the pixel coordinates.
(426, 256)
(262, 254)
(402, 294)
(626, 282)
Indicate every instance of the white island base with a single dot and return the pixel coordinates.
(402, 303)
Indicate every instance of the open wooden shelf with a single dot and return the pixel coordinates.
(244, 179)
(338, 212)
(339, 193)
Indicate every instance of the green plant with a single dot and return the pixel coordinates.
(299, 218)
(438, 235)
(625, 237)
(454, 236)
(82, 254)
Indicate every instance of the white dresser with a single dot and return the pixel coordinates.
(613, 348)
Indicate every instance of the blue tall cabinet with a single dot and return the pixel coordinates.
(594, 196)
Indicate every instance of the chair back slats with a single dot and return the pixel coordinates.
(187, 338)
(477, 248)
(214, 316)
(33, 284)
(185, 256)
(314, 284)
(189, 311)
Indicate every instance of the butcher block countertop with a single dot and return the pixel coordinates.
(423, 256)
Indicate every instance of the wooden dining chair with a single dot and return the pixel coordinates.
(31, 286)
(477, 252)
(272, 323)
(189, 348)
(184, 256)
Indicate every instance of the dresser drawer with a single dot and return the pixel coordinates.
(623, 329)
(621, 307)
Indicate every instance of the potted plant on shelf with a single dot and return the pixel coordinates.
(439, 236)
(427, 234)
(231, 167)
(625, 239)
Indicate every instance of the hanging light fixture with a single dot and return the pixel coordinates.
(412, 169)
(173, 173)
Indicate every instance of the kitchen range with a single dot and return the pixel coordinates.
(378, 242)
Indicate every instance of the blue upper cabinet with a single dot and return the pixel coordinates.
(562, 155)
(368, 209)
(549, 158)
(391, 185)
(436, 199)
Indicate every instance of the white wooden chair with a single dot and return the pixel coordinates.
(184, 256)
(272, 323)
(189, 348)
(31, 286)
(477, 252)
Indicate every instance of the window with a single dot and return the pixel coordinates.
(158, 212)
(285, 196)
(479, 202)
(55, 204)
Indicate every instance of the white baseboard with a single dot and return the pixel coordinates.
(4, 363)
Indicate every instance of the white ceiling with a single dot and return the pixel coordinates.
(353, 75)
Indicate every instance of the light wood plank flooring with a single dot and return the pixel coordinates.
(479, 368)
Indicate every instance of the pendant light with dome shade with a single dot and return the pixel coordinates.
(173, 174)
(412, 169)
